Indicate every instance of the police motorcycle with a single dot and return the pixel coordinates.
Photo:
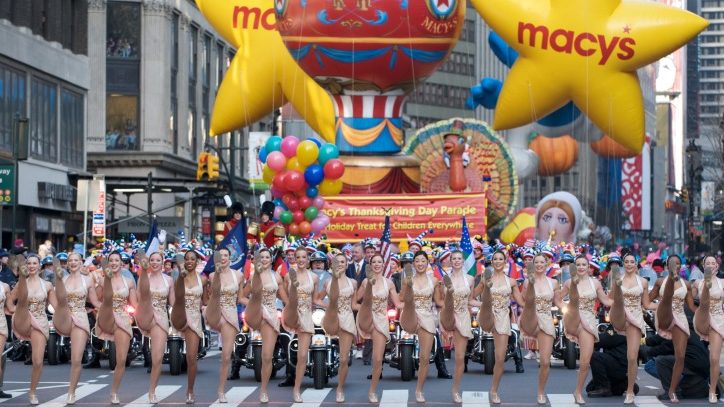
(58, 347)
(247, 349)
(481, 348)
(323, 358)
(105, 349)
(563, 348)
(403, 349)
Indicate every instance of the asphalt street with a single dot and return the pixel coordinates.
(517, 389)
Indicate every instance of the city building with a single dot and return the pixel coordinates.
(705, 126)
(44, 78)
(155, 68)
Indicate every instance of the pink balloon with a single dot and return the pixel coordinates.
(276, 161)
(318, 202)
(323, 218)
(305, 202)
(289, 146)
(294, 180)
(278, 211)
(276, 192)
(317, 225)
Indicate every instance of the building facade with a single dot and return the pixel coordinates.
(44, 78)
(155, 68)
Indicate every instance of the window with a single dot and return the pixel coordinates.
(220, 65)
(71, 129)
(12, 104)
(43, 120)
(122, 122)
(123, 35)
(193, 38)
(206, 83)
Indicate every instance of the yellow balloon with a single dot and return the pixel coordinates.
(263, 76)
(267, 174)
(293, 164)
(307, 152)
(330, 187)
(586, 51)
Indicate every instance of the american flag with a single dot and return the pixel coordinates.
(385, 248)
(467, 249)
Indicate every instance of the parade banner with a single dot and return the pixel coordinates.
(355, 217)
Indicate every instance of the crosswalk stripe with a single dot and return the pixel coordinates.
(80, 392)
(393, 398)
(562, 400)
(13, 393)
(161, 393)
(235, 396)
(648, 401)
(312, 397)
(475, 399)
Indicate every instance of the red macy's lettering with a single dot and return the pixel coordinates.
(584, 44)
(267, 19)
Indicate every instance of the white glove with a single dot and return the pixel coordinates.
(162, 236)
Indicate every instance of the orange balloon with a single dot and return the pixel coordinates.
(304, 228)
(557, 155)
(293, 229)
(607, 147)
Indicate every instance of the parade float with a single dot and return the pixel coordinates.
(347, 66)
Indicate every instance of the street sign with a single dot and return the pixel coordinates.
(7, 185)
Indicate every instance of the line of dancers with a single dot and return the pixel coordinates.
(353, 311)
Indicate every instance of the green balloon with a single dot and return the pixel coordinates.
(311, 213)
(286, 217)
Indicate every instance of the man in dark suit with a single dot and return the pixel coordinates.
(356, 271)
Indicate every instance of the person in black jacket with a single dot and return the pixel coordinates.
(609, 367)
(660, 354)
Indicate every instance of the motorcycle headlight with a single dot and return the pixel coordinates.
(51, 310)
(555, 321)
(392, 327)
(406, 335)
(318, 316)
(564, 309)
(607, 318)
(474, 323)
(245, 328)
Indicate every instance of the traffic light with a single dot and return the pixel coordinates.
(684, 195)
(201, 165)
(212, 167)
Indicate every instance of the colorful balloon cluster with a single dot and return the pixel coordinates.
(299, 173)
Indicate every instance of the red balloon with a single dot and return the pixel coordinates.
(294, 180)
(305, 202)
(287, 198)
(293, 203)
(304, 228)
(301, 191)
(279, 182)
(293, 229)
(333, 169)
(298, 216)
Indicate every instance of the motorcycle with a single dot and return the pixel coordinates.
(107, 349)
(481, 348)
(402, 351)
(247, 350)
(323, 358)
(175, 354)
(58, 347)
(562, 347)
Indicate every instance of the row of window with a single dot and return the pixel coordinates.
(459, 63)
(440, 95)
(56, 116)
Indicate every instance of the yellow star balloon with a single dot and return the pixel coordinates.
(263, 75)
(586, 51)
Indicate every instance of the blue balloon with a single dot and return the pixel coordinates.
(312, 192)
(273, 143)
(314, 174)
(262, 155)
